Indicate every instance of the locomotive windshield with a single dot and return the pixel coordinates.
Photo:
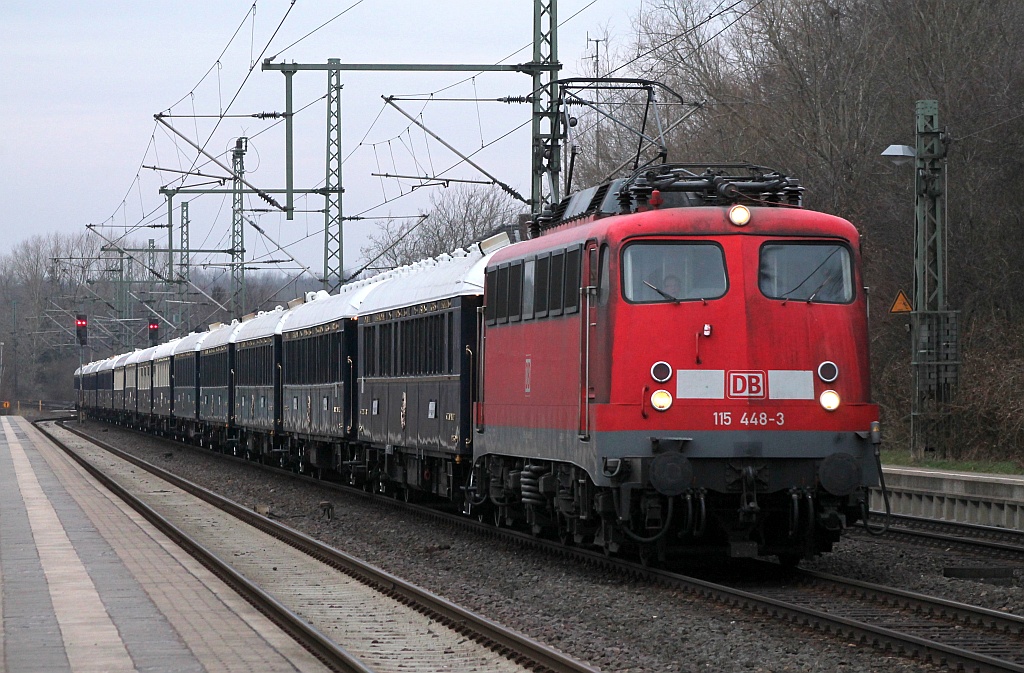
(812, 272)
(670, 272)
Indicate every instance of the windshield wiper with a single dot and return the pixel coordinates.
(786, 295)
(664, 294)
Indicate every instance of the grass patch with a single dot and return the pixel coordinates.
(902, 459)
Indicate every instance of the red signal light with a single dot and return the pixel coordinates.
(82, 329)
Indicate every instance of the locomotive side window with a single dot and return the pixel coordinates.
(540, 286)
(528, 275)
(603, 280)
(811, 272)
(555, 283)
(501, 296)
(671, 272)
(548, 285)
(490, 314)
(515, 292)
(573, 258)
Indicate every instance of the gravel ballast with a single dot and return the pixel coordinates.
(613, 622)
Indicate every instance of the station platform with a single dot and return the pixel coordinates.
(88, 585)
(960, 497)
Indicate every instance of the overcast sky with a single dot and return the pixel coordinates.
(83, 80)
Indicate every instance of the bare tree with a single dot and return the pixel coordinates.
(458, 216)
(817, 88)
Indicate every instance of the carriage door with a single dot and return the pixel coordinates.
(588, 328)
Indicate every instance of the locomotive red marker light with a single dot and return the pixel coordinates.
(828, 371)
(661, 371)
(739, 215)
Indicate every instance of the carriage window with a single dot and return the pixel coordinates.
(811, 272)
(669, 272)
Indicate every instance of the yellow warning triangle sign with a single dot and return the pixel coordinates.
(902, 304)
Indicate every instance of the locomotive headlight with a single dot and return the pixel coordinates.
(661, 400)
(829, 400)
(739, 215)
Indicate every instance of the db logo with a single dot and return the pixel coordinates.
(746, 384)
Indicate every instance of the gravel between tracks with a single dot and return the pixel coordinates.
(612, 622)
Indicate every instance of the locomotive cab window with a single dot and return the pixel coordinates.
(670, 272)
(811, 272)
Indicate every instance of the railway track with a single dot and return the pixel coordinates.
(509, 651)
(958, 636)
(989, 541)
(955, 635)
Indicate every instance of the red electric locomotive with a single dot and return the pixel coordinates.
(679, 361)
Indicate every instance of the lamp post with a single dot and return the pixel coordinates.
(935, 356)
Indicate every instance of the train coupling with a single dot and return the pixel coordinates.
(749, 509)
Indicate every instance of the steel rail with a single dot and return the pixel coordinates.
(990, 540)
(496, 637)
(318, 644)
(879, 637)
